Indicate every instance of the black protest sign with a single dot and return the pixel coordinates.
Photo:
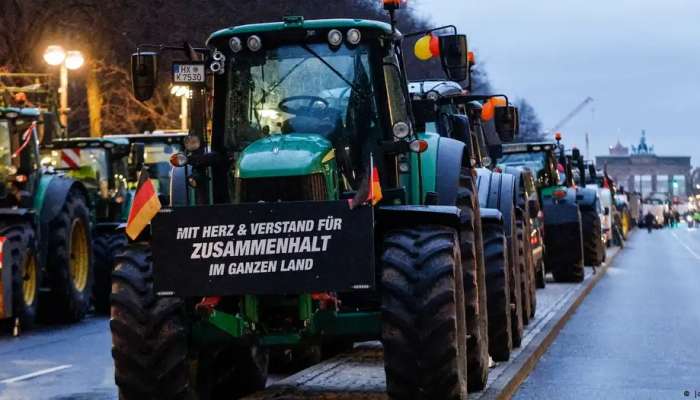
(263, 248)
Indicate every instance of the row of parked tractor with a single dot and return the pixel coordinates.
(442, 227)
(61, 204)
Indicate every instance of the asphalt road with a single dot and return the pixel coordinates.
(637, 334)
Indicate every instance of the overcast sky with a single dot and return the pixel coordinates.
(638, 59)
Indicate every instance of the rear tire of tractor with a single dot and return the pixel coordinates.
(423, 327)
(105, 247)
(149, 333)
(499, 308)
(593, 248)
(69, 263)
(526, 277)
(517, 315)
(19, 255)
(473, 270)
(572, 272)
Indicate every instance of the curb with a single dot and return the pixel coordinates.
(518, 369)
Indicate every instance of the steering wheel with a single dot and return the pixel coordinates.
(307, 110)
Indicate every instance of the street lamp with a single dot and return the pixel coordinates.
(55, 55)
(184, 93)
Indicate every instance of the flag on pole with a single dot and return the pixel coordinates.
(144, 207)
(375, 186)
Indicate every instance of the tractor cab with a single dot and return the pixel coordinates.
(19, 155)
(541, 159)
(100, 164)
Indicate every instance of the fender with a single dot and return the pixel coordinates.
(389, 217)
(516, 173)
(449, 164)
(49, 199)
(495, 190)
(586, 198)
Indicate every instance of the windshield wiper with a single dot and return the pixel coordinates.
(332, 68)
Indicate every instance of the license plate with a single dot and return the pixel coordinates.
(188, 73)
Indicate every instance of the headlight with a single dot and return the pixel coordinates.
(254, 43)
(401, 130)
(235, 44)
(335, 37)
(354, 36)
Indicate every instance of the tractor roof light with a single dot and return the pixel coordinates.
(470, 58)
(557, 136)
(401, 130)
(391, 5)
(335, 37)
(254, 43)
(235, 44)
(354, 36)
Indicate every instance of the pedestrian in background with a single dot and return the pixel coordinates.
(649, 221)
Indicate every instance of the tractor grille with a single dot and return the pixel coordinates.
(287, 188)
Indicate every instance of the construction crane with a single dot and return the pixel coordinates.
(572, 114)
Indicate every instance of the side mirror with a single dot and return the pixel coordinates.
(507, 121)
(137, 157)
(144, 74)
(453, 55)
(575, 153)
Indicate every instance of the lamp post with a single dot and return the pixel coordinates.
(184, 93)
(55, 55)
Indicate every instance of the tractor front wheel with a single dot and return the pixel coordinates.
(424, 328)
(498, 289)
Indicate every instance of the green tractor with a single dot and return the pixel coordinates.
(562, 202)
(44, 228)
(314, 216)
(443, 106)
(108, 167)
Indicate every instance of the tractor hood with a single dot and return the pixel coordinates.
(284, 155)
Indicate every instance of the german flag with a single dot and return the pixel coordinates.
(144, 207)
(375, 187)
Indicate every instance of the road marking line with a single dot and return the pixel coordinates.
(685, 245)
(35, 374)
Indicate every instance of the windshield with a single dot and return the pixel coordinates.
(535, 161)
(306, 89)
(157, 157)
(88, 165)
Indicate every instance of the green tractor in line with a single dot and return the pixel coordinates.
(44, 228)
(564, 205)
(445, 107)
(107, 167)
(315, 216)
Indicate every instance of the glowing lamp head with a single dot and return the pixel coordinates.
(394, 4)
(54, 55)
(74, 59)
(471, 58)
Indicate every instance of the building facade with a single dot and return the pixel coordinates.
(641, 170)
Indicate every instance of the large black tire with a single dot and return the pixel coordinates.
(149, 333)
(593, 247)
(498, 289)
(569, 267)
(474, 272)
(19, 257)
(514, 282)
(70, 247)
(150, 343)
(105, 247)
(423, 326)
(527, 286)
